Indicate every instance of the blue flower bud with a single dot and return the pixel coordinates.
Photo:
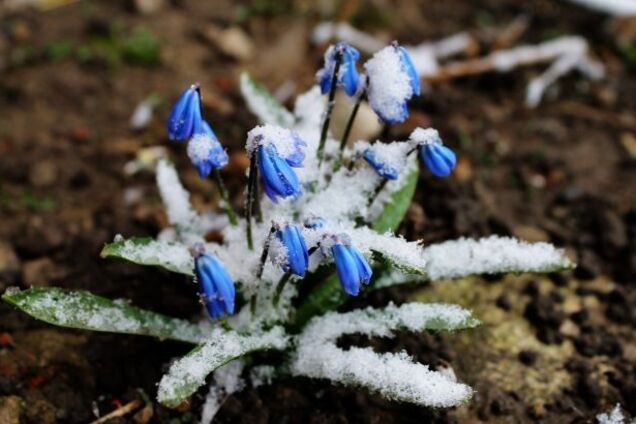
(277, 176)
(352, 268)
(205, 151)
(409, 68)
(383, 169)
(392, 81)
(296, 256)
(297, 156)
(439, 159)
(216, 287)
(185, 116)
(348, 77)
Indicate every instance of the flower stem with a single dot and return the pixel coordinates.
(251, 188)
(261, 265)
(280, 286)
(347, 131)
(226, 197)
(330, 104)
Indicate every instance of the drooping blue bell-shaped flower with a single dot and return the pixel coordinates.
(352, 268)
(216, 287)
(296, 257)
(205, 151)
(185, 116)
(438, 158)
(348, 77)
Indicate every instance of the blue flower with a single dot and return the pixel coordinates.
(352, 268)
(383, 169)
(392, 81)
(409, 68)
(439, 159)
(296, 257)
(348, 77)
(297, 156)
(277, 176)
(205, 151)
(216, 287)
(185, 116)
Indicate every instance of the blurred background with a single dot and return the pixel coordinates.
(85, 89)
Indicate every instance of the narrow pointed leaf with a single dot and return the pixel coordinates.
(187, 374)
(395, 209)
(262, 104)
(83, 310)
(174, 257)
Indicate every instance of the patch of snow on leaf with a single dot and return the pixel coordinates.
(175, 198)
(189, 372)
(169, 255)
(395, 376)
(491, 255)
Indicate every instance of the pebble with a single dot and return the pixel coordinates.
(10, 409)
(9, 264)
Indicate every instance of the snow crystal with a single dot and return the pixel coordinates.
(389, 85)
(175, 198)
(491, 255)
(395, 376)
(615, 416)
(189, 372)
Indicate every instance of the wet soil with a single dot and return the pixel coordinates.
(559, 348)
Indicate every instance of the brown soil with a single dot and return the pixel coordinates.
(557, 349)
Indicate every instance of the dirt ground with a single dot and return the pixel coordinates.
(555, 349)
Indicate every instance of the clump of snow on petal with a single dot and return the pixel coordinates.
(200, 147)
(425, 136)
(491, 255)
(391, 155)
(389, 86)
(281, 138)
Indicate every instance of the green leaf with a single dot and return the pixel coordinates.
(392, 261)
(328, 295)
(187, 374)
(262, 104)
(396, 207)
(174, 257)
(83, 310)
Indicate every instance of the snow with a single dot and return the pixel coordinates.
(262, 375)
(390, 155)
(491, 255)
(408, 254)
(389, 85)
(226, 380)
(189, 372)
(281, 138)
(615, 416)
(176, 199)
(421, 136)
(395, 376)
(168, 255)
(200, 148)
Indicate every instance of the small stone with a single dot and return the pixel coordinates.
(570, 329)
(39, 272)
(530, 233)
(232, 41)
(43, 173)
(9, 264)
(10, 409)
(628, 140)
(148, 7)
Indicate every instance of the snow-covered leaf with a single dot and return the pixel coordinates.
(395, 376)
(187, 374)
(395, 208)
(176, 200)
(262, 104)
(81, 309)
(492, 255)
(174, 257)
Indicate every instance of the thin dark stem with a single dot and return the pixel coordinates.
(330, 104)
(280, 286)
(253, 304)
(226, 197)
(261, 265)
(384, 182)
(251, 186)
